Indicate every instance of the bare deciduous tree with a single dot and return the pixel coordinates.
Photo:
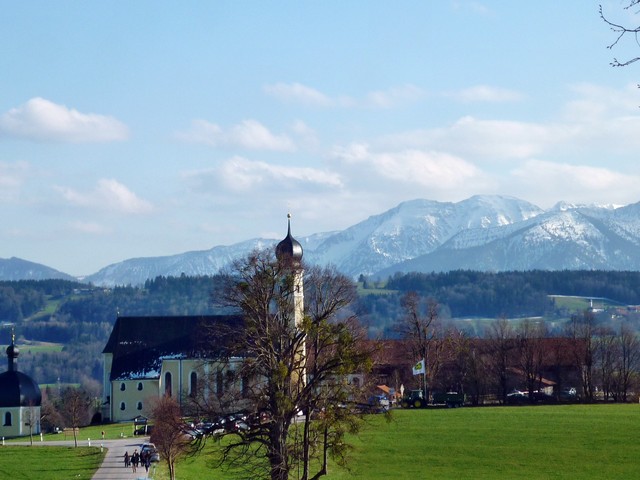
(530, 347)
(501, 337)
(76, 405)
(623, 29)
(627, 362)
(297, 366)
(168, 432)
(421, 329)
(582, 330)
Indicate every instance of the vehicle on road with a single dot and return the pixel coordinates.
(152, 451)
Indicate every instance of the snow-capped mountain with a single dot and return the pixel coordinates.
(590, 238)
(488, 233)
(413, 229)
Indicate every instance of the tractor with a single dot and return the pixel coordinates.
(414, 399)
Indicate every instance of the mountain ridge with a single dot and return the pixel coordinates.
(483, 232)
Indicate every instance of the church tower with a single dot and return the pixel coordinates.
(289, 254)
(289, 251)
(20, 398)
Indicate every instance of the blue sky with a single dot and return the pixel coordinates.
(132, 129)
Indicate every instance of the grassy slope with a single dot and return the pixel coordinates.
(550, 442)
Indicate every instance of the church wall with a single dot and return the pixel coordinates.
(131, 398)
(19, 417)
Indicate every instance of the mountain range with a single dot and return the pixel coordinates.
(484, 232)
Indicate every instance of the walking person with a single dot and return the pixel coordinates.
(135, 458)
(127, 460)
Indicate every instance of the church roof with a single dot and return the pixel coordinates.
(140, 344)
(18, 390)
(289, 247)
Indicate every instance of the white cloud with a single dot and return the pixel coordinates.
(109, 195)
(90, 228)
(433, 169)
(298, 93)
(485, 93)
(493, 139)
(304, 95)
(395, 96)
(249, 134)
(12, 175)
(242, 175)
(43, 120)
(593, 103)
(577, 183)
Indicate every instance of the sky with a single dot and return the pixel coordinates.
(151, 128)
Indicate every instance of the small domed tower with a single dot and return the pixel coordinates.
(20, 399)
(289, 252)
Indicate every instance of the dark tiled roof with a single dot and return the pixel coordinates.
(139, 344)
(18, 390)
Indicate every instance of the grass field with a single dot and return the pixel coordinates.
(545, 442)
(49, 463)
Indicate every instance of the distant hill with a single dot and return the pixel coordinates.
(13, 269)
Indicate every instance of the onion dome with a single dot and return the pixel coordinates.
(16, 388)
(289, 248)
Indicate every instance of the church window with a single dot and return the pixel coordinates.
(123, 387)
(193, 384)
(219, 383)
(140, 386)
(7, 419)
(122, 406)
(245, 386)
(139, 406)
(167, 384)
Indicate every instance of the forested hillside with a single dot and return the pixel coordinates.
(62, 326)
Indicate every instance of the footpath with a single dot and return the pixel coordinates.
(112, 467)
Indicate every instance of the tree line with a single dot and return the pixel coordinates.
(516, 361)
(81, 316)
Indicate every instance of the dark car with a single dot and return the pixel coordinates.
(150, 449)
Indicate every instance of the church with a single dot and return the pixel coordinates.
(20, 399)
(154, 356)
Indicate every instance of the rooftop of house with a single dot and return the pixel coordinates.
(140, 344)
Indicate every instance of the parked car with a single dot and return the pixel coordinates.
(192, 432)
(378, 403)
(569, 394)
(152, 451)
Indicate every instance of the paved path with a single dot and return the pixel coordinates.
(112, 467)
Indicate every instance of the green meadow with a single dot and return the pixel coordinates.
(544, 442)
(49, 463)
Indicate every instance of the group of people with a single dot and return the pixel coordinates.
(136, 459)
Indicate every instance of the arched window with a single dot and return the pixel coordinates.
(7, 419)
(219, 382)
(167, 384)
(193, 384)
(139, 406)
(122, 406)
(123, 387)
(245, 386)
(140, 386)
